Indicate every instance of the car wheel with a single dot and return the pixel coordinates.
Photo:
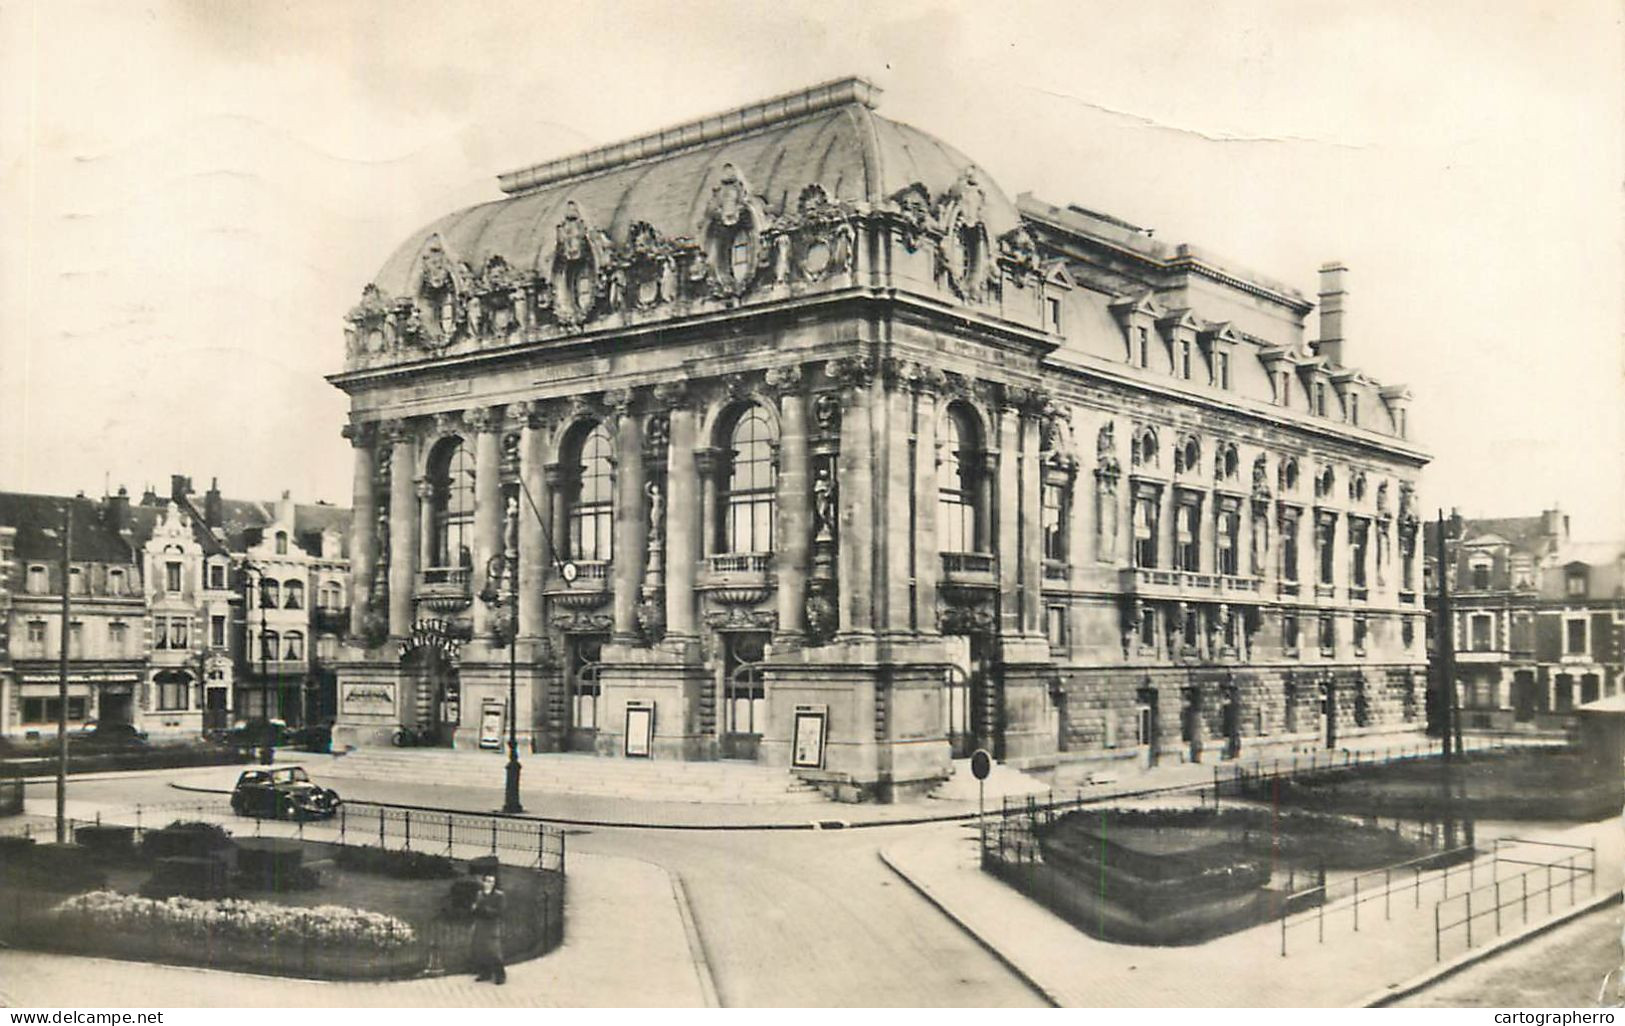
(236, 805)
(284, 808)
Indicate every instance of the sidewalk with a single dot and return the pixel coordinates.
(627, 810)
(1242, 969)
(625, 943)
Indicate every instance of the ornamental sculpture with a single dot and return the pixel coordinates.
(731, 235)
(580, 257)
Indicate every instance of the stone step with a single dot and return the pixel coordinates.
(667, 780)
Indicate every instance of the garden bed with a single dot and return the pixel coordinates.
(1184, 876)
(1538, 784)
(283, 907)
(37, 760)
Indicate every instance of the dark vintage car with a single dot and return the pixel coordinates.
(109, 736)
(285, 792)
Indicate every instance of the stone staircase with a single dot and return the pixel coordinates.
(654, 780)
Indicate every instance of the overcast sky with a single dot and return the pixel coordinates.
(193, 194)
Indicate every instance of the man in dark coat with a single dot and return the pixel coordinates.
(486, 953)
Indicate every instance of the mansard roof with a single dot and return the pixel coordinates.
(38, 520)
(828, 136)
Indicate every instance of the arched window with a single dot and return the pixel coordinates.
(592, 511)
(293, 645)
(1145, 448)
(268, 645)
(293, 595)
(751, 483)
(332, 596)
(270, 593)
(957, 527)
(451, 513)
(282, 543)
(115, 582)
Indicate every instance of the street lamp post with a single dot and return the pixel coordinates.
(268, 751)
(495, 597)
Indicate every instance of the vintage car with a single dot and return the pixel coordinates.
(285, 792)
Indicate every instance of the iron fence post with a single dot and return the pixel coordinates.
(1498, 908)
(1437, 950)
(493, 835)
(1524, 877)
(380, 827)
(451, 844)
(1387, 890)
(1284, 911)
(407, 842)
(1356, 904)
(1320, 916)
(1469, 919)
(1571, 879)
(1548, 888)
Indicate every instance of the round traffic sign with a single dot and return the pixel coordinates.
(981, 764)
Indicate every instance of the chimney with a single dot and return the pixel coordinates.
(180, 486)
(284, 510)
(149, 496)
(1333, 315)
(1554, 525)
(118, 510)
(214, 511)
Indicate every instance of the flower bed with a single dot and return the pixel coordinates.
(230, 919)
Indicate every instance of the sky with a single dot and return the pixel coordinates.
(192, 194)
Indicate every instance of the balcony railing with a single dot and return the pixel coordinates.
(1407, 596)
(331, 618)
(590, 587)
(967, 563)
(739, 578)
(1325, 591)
(1288, 588)
(1155, 583)
(444, 589)
(1358, 592)
(1055, 570)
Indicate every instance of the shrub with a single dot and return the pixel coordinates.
(107, 842)
(63, 867)
(186, 839)
(185, 875)
(459, 903)
(271, 865)
(256, 922)
(405, 865)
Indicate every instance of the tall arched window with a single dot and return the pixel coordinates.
(270, 593)
(268, 646)
(957, 528)
(293, 645)
(751, 482)
(293, 595)
(591, 512)
(451, 478)
(282, 543)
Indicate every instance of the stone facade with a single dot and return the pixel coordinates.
(1538, 620)
(790, 416)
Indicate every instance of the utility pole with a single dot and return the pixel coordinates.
(62, 684)
(1446, 634)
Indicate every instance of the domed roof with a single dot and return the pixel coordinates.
(827, 136)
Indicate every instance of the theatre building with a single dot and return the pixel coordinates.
(785, 435)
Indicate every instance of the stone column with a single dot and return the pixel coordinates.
(708, 464)
(1007, 517)
(682, 527)
(424, 489)
(558, 482)
(1032, 527)
(794, 501)
(363, 524)
(895, 485)
(534, 557)
(927, 557)
(488, 508)
(630, 526)
(855, 495)
(404, 529)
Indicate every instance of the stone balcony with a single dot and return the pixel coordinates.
(444, 589)
(1152, 583)
(970, 572)
(331, 618)
(738, 578)
(590, 588)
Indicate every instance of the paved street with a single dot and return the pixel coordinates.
(784, 918)
(1562, 968)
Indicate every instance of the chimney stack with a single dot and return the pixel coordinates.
(214, 511)
(285, 510)
(1333, 314)
(180, 486)
(118, 510)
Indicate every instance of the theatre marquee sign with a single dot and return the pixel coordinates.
(372, 698)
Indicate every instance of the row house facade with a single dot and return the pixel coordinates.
(160, 607)
(1538, 620)
(786, 435)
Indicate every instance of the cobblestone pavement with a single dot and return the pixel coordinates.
(624, 945)
(1242, 969)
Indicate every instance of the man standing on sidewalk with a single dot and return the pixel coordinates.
(489, 905)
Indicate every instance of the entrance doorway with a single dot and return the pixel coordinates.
(438, 708)
(1147, 734)
(1190, 722)
(216, 715)
(744, 699)
(116, 705)
(1525, 696)
(586, 695)
(972, 696)
(1328, 712)
(1590, 688)
(1230, 722)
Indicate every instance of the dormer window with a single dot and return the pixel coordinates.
(36, 580)
(1576, 584)
(1144, 347)
(1185, 359)
(1221, 370)
(1320, 399)
(1054, 304)
(1283, 388)
(1354, 410)
(1399, 422)
(282, 543)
